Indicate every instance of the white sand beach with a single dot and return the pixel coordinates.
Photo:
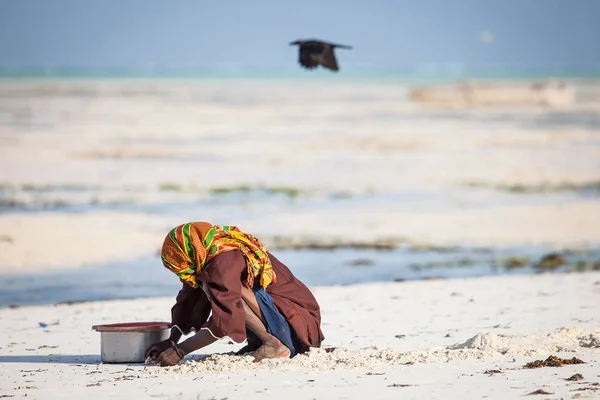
(428, 170)
(95, 172)
(430, 339)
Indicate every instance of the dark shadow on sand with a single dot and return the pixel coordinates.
(53, 359)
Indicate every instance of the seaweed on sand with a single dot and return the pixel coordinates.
(553, 361)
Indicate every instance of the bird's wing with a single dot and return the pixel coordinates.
(334, 45)
(340, 46)
(328, 59)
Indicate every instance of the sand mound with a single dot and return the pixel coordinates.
(482, 345)
(484, 342)
(319, 360)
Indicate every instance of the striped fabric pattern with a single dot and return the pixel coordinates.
(186, 253)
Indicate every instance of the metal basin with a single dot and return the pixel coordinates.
(126, 343)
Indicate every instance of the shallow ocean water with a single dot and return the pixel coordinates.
(147, 277)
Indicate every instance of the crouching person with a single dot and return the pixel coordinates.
(233, 287)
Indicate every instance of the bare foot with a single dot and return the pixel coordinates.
(249, 348)
(274, 349)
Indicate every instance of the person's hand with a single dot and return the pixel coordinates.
(157, 348)
(170, 356)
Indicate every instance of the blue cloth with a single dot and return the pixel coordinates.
(277, 325)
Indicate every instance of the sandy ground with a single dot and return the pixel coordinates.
(59, 241)
(434, 339)
(557, 224)
(426, 339)
(550, 93)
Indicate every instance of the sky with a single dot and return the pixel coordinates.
(181, 34)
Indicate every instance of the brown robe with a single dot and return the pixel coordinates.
(221, 281)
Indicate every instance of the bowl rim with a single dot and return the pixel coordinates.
(132, 326)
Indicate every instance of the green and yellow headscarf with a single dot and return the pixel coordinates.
(188, 247)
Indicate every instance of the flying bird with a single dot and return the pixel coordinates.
(315, 52)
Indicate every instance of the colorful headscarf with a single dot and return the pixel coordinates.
(188, 247)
